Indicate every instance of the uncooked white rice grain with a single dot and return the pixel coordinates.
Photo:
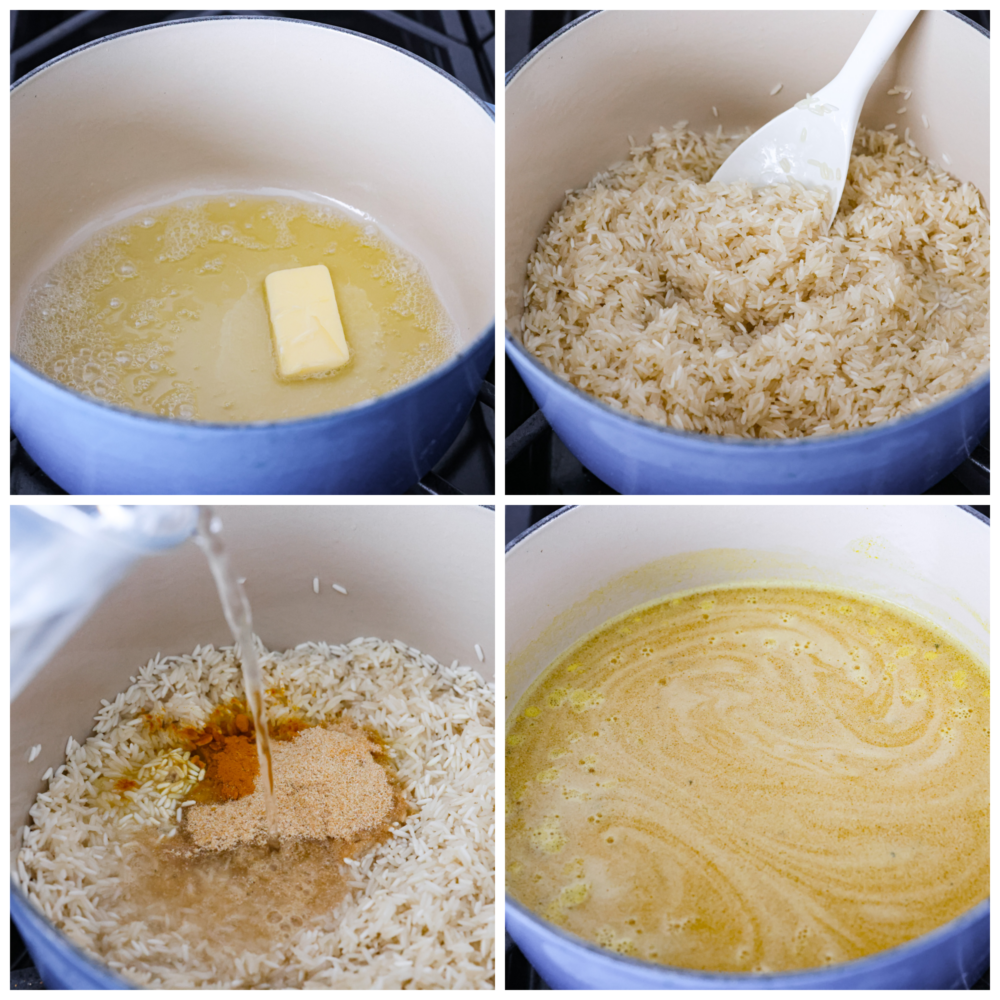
(890, 127)
(340, 590)
(315, 584)
(715, 111)
(776, 89)
(923, 118)
(391, 932)
(34, 752)
(479, 653)
(644, 314)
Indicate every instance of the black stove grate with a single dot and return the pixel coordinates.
(460, 42)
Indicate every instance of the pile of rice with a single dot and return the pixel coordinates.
(714, 308)
(421, 912)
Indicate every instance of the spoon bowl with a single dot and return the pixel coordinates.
(811, 141)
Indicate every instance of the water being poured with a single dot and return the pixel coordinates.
(237, 611)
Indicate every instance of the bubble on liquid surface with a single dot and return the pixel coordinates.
(147, 222)
(116, 303)
(126, 270)
(123, 357)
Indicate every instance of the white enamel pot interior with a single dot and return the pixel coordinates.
(584, 565)
(570, 109)
(423, 575)
(246, 104)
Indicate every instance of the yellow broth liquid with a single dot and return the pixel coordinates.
(752, 779)
(166, 313)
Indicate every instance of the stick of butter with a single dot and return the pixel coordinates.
(308, 335)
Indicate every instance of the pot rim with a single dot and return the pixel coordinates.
(713, 442)
(791, 979)
(511, 73)
(718, 442)
(968, 508)
(56, 939)
(719, 980)
(459, 359)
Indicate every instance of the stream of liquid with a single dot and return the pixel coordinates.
(237, 610)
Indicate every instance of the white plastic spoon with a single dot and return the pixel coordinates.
(811, 142)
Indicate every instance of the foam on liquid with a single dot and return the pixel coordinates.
(166, 314)
(752, 779)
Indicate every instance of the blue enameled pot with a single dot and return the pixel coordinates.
(571, 106)
(247, 104)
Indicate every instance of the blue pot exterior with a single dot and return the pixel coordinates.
(61, 965)
(383, 446)
(905, 456)
(952, 957)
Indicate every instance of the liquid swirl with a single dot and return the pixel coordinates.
(753, 779)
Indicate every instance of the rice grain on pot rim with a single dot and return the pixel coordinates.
(718, 309)
(421, 909)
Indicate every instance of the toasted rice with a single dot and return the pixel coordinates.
(720, 309)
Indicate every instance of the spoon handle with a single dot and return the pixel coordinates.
(848, 89)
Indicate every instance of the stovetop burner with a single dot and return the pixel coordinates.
(460, 42)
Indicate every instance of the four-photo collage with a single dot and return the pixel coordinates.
(278, 281)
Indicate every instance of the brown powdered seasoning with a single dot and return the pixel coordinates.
(328, 783)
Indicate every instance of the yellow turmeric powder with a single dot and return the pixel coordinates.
(227, 748)
(232, 770)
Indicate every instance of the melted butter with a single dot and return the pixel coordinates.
(165, 313)
(757, 779)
